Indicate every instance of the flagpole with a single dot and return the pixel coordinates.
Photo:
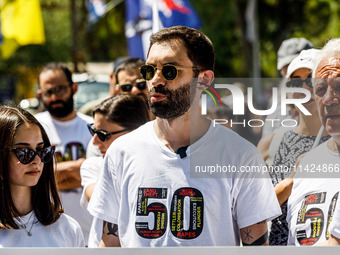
(253, 37)
(74, 34)
(155, 17)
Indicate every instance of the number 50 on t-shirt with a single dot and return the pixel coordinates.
(316, 217)
(175, 217)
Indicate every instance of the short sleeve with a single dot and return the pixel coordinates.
(105, 202)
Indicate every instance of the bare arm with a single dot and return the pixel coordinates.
(110, 237)
(284, 188)
(256, 234)
(68, 174)
(89, 190)
(332, 241)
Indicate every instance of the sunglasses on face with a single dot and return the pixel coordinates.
(127, 87)
(298, 82)
(169, 72)
(58, 91)
(27, 155)
(102, 135)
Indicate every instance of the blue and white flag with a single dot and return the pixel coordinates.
(96, 9)
(142, 20)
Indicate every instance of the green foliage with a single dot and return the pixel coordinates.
(106, 40)
(223, 21)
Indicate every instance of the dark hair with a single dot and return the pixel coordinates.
(45, 199)
(200, 49)
(128, 64)
(57, 66)
(128, 111)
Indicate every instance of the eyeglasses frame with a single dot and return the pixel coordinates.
(94, 131)
(35, 154)
(132, 84)
(156, 68)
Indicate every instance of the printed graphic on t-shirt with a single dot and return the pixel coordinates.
(310, 213)
(175, 218)
(72, 151)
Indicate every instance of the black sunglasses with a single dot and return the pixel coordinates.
(298, 82)
(127, 87)
(103, 136)
(169, 72)
(58, 91)
(27, 155)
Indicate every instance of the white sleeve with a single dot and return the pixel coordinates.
(105, 202)
(254, 196)
(89, 171)
(334, 227)
(72, 231)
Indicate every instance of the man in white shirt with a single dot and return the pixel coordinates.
(68, 131)
(148, 193)
(315, 193)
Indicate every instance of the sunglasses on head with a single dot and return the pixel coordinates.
(127, 87)
(102, 135)
(298, 82)
(27, 155)
(169, 72)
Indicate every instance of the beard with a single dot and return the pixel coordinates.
(60, 112)
(177, 101)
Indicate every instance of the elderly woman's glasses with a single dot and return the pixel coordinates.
(298, 82)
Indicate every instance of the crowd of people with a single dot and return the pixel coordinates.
(147, 169)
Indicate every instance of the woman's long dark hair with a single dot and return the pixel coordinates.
(128, 111)
(45, 199)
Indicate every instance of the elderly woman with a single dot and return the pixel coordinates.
(293, 142)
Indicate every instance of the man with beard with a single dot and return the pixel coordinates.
(130, 81)
(147, 192)
(68, 131)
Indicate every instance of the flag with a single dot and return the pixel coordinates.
(140, 22)
(95, 9)
(21, 24)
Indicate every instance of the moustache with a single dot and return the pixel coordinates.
(160, 90)
(57, 102)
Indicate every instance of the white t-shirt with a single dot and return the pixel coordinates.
(89, 171)
(149, 192)
(312, 202)
(65, 232)
(334, 227)
(71, 139)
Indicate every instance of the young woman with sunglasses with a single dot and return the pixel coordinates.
(113, 118)
(294, 142)
(30, 208)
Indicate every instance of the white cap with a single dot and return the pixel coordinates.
(290, 49)
(304, 60)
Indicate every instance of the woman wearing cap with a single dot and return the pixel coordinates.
(294, 142)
